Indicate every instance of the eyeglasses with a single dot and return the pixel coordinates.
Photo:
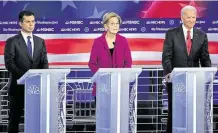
(114, 24)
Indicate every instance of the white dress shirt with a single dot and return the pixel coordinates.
(185, 32)
(31, 40)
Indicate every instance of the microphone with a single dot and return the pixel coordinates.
(113, 43)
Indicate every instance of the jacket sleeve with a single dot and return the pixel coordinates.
(44, 58)
(167, 53)
(93, 60)
(127, 56)
(9, 58)
(205, 56)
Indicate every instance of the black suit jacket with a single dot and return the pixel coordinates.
(175, 51)
(18, 61)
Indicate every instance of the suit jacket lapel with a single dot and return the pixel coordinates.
(36, 47)
(103, 40)
(23, 45)
(181, 37)
(194, 40)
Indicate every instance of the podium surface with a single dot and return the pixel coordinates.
(192, 99)
(45, 100)
(116, 106)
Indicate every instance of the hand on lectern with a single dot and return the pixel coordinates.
(167, 77)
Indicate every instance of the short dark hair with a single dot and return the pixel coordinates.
(25, 13)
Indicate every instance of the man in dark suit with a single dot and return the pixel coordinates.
(184, 46)
(23, 51)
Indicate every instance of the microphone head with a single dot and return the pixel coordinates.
(113, 43)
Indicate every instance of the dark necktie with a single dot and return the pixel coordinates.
(188, 42)
(29, 45)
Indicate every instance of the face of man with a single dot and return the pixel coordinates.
(189, 18)
(28, 24)
(113, 25)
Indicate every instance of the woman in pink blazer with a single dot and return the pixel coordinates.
(110, 50)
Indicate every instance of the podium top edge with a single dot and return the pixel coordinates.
(115, 70)
(32, 72)
(119, 70)
(195, 69)
(41, 71)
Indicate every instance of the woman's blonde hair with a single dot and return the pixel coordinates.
(110, 15)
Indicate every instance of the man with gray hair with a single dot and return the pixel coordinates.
(184, 46)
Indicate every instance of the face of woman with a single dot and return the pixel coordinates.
(113, 25)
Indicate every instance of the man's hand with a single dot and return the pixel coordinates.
(167, 77)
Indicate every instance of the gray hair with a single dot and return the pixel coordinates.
(109, 15)
(188, 8)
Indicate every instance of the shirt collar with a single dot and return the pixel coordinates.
(25, 35)
(185, 29)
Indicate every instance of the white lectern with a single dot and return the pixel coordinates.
(45, 100)
(193, 100)
(116, 106)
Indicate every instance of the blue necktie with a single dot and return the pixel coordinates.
(29, 45)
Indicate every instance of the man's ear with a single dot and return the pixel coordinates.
(20, 23)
